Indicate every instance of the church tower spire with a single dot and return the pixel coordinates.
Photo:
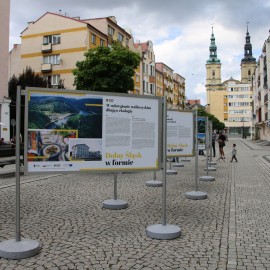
(248, 49)
(213, 50)
(213, 84)
(248, 63)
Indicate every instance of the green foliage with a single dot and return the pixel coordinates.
(107, 69)
(53, 106)
(27, 79)
(38, 120)
(217, 125)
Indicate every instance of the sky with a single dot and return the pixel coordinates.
(179, 29)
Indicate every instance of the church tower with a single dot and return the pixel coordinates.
(248, 63)
(214, 86)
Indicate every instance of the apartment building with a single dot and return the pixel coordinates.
(148, 68)
(54, 43)
(159, 83)
(4, 44)
(261, 94)
(238, 108)
(178, 91)
(15, 61)
(167, 73)
(109, 27)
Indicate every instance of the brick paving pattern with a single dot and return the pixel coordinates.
(229, 230)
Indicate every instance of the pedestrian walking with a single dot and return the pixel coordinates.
(234, 153)
(214, 137)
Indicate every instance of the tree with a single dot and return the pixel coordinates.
(27, 78)
(107, 69)
(217, 125)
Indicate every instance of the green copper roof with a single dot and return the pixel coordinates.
(213, 51)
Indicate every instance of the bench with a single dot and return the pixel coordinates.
(8, 154)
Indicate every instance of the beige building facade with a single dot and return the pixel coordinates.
(4, 64)
(54, 43)
(261, 94)
(148, 74)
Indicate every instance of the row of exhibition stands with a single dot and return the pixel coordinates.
(137, 133)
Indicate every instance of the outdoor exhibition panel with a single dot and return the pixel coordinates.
(180, 133)
(71, 130)
(201, 135)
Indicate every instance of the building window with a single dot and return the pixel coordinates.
(110, 30)
(93, 39)
(53, 80)
(102, 42)
(137, 78)
(120, 37)
(127, 41)
(53, 39)
(152, 88)
(52, 59)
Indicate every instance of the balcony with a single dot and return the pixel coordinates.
(46, 68)
(46, 47)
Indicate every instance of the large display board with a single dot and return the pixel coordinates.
(201, 132)
(70, 130)
(180, 133)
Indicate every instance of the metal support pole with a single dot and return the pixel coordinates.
(211, 140)
(115, 186)
(164, 161)
(17, 173)
(196, 150)
(207, 144)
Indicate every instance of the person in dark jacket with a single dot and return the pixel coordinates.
(214, 137)
(221, 144)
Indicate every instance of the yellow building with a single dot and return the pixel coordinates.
(159, 83)
(54, 43)
(178, 91)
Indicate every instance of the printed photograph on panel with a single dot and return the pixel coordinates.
(49, 145)
(66, 112)
(85, 149)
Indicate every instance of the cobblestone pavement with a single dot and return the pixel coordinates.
(228, 230)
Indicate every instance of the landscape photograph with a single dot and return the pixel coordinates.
(66, 111)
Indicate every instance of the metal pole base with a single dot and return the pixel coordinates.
(212, 163)
(185, 160)
(153, 183)
(12, 249)
(207, 178)
(166, 232)
(196, 195)
(210, 169)
(115, 204)
(178, 165)
(170, 172)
